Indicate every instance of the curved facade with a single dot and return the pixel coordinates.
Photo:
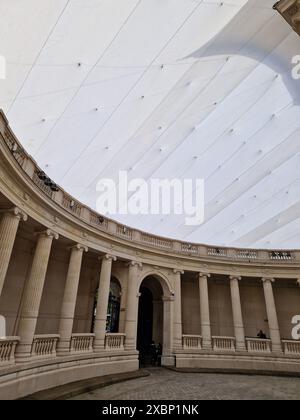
(58, 260)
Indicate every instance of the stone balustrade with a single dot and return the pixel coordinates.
(217, 252)
(189, 249)
(192, 342)
(223, 343)
(291, 347)
(7, 349)
(114, 341)
(82, 343)
(44, 345)
(124, 231)
(247, 254)
(156, 241)
(257, 345)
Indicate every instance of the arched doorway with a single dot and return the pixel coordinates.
(154, 321)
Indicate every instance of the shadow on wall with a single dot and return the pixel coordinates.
(231, 41)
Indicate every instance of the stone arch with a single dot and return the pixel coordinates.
(162, 278)
(155, 322)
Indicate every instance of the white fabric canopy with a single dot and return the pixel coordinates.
(162, 89)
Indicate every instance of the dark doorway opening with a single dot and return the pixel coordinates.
(150, 323)
(145, 320)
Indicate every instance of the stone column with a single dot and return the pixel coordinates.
(132, 306)
(168, 358)
(272, 314)
(122, 311)
(102, 302)
(69, 299)
(204, 311)
(33, 294)
(238, 323)
(8, 230)
(177, 333)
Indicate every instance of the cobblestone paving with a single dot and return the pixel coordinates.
(163, 384)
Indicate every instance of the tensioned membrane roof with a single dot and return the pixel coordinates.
(177, 89)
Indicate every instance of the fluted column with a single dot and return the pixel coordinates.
(69, 299)
(132, 306)
(8, 230)
(272, 314)
(204, 311)
(177, 334)
(238, 323)
(33, 294)
(102, 302)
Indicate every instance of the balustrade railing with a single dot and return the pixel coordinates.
(189, 249)
(99, 221)
(247, 255)
(192, 342)
(223, 343)
(82, 343)
(156, 241)
(7, 349)
(291, 347)
(72, 205)
(124, 231)
(217, 252)
(281, 255)
(257, 345)
(44, 345)
(114, 341)
(42, 186)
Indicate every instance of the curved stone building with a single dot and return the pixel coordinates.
(82, 295)
(61, 265)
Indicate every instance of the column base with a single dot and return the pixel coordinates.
(207, 345)
(168, 361)
(277, 348)
(241, 347)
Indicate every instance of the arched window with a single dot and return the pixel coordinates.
(113, 309)
(113, 312)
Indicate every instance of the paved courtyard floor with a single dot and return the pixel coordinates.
(163, 384)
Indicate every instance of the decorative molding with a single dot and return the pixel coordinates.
(202, 274)
(79, 247)
(48, 232)
(178, 271)
(16, 212)
(235, 277)
(268, 279)
(107, 257)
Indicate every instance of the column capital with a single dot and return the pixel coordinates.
(235, 277)
(79, 247)
(202, 274)
(168, 298)
(268, 280)
(135, 263)
(178, 271)
(48, 232)
(16, 212)
(107, 257)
